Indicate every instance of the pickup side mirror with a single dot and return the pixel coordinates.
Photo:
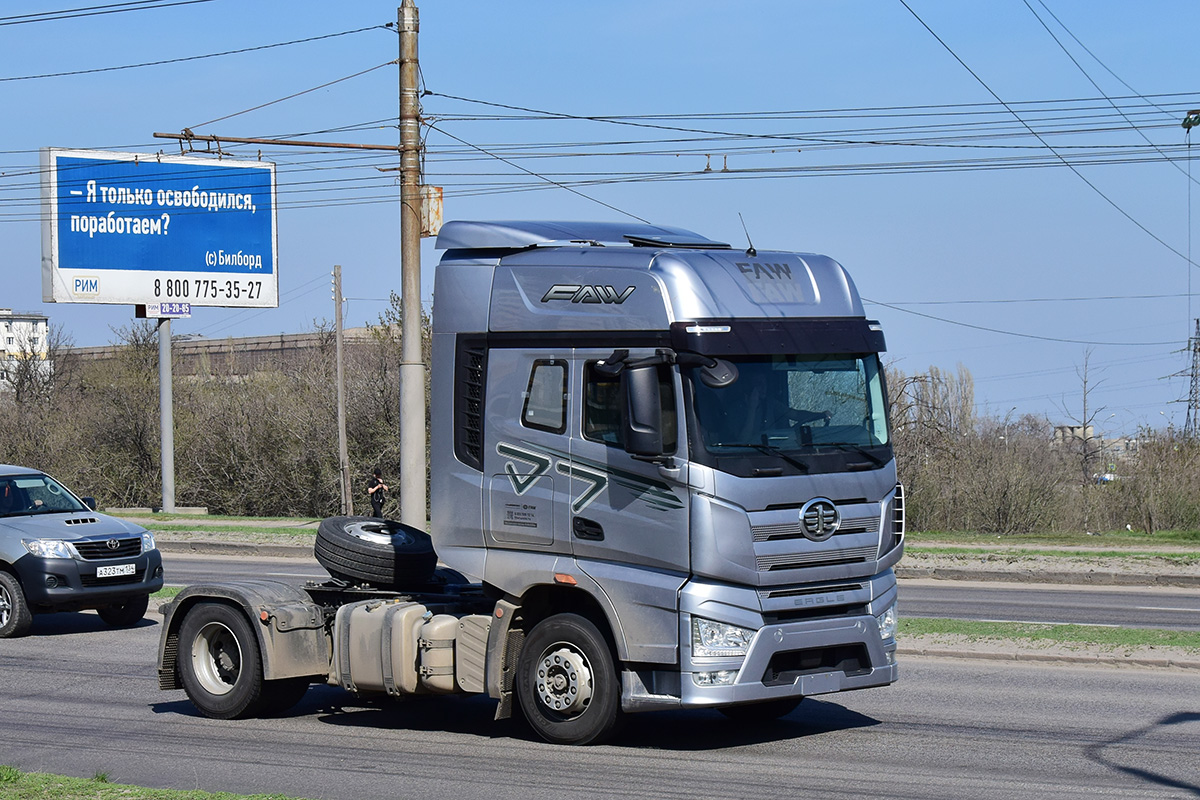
(90, 502)
(641, 411)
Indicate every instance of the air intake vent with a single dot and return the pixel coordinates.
(82, 521)
(898, 511)
(468, 404)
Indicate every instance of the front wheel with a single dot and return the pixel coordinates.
(15, 616)
(220, 665)
(567, 682)
(127, 614)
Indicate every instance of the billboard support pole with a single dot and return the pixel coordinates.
(166, 416)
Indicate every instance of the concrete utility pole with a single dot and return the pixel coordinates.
(413, 467)
(343, 450)
(166, 416)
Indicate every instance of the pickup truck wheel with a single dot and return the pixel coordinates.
(220, 666)
(380, 552)
(762, 712)
(127, 614)
(15, 616)
(567, 682)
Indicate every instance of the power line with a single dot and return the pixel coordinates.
(1013, 333)
(187, 58)
(95, 11)
(534, 174)
(294, 95)
(1069, 166)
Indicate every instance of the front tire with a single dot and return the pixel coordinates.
(127, 614)
(15, 616)
(220, 665)
(567, 682)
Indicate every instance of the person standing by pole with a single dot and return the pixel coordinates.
(377, 489)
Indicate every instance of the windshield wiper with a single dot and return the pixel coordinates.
(855, 448)
(766, 449)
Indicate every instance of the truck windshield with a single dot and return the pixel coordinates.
(792, 414)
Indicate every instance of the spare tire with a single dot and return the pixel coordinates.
(380, 552)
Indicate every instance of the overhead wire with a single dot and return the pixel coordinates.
(1067, 164)
(184, 59)
(95, 11)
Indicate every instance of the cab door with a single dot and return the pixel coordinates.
(528, 412)
(622, 510)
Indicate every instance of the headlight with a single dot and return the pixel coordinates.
(887, 623)
(48, 548)
(716, 639)
(147, 542)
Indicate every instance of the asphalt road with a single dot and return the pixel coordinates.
(80, 699)
(1160, 607)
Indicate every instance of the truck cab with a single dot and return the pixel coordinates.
(684, 443)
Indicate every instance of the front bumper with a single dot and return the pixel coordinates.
(61, 584)
(812, 640)
(798, 659)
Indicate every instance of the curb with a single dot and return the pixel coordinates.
(237, 549)
(1093, 578)
(1050, 658)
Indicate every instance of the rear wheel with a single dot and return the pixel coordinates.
(567, 682)
(15, 616)
(127, 614)
(762, 712)
(220, 665)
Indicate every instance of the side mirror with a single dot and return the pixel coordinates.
(90, 502)
(641, 411)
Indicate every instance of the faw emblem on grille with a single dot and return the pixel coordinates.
(819, 519)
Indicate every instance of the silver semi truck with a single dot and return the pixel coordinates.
(661, 477)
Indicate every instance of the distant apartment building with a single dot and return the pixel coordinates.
(23, 334)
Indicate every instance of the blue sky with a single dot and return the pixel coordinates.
(811, 105)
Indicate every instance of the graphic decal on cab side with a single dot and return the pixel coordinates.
(593, 476)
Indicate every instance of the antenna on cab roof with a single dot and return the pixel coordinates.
(750, 251)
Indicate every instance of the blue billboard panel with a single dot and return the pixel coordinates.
(137, 229)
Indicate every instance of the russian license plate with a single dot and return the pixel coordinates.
(115, 570)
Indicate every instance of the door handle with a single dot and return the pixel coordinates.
(587, 529)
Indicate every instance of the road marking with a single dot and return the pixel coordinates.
(1160, 608)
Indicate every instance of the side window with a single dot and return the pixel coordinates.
(602, 410)
(546, 397)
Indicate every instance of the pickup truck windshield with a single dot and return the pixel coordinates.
(785, 414)
(34, 494)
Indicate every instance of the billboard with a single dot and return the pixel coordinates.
(139, 229)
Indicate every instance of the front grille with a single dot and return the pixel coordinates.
(119, 580)
(98, 549)
(785, 668)
(823, 558)
(813, 612)
(792, 530)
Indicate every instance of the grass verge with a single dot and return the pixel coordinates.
(1116, 638)
(166, 593)
(18, 785)
(1001, 552)
(1114, 539)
